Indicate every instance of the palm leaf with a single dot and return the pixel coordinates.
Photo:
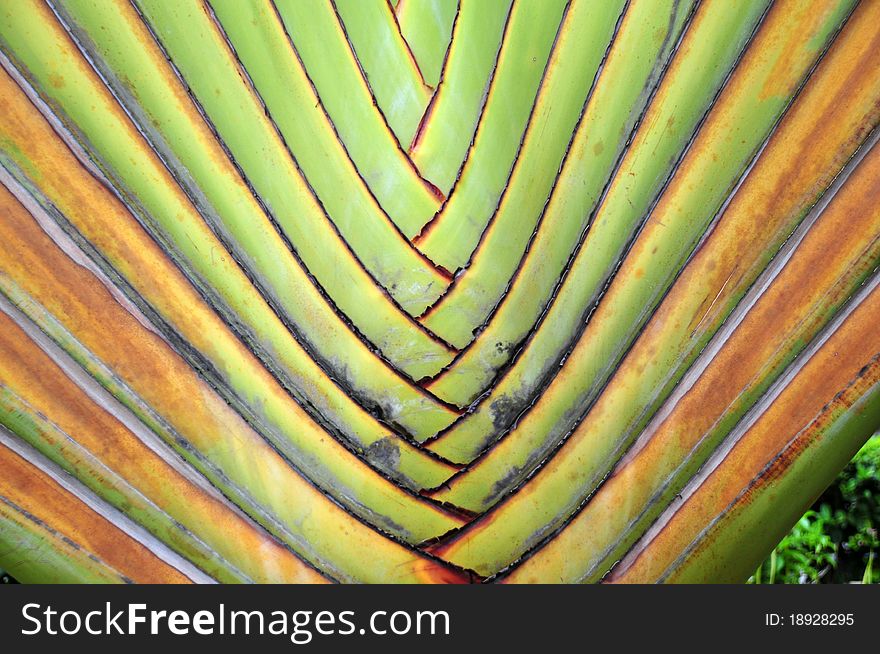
(431, 291)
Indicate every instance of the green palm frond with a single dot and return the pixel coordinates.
(436, 291)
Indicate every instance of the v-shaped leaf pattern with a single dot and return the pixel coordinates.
(427, 29)
(430, 290)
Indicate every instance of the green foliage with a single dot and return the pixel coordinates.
(836, 541)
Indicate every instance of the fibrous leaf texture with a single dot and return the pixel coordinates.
(437, 291)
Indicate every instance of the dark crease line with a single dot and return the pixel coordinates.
(378, 107)
(430, 188)
(522, 347)
(645, 319)
(761, 476)
(429, 110)
(406, 45)
(205, 370)
(95, 463)
(388, 131)
(203, 367)
(552, 193)
(98, 505)
(461, 270)
(255, 94)
(502, 372)
(30, 517)
(399, 373)
(696, 249)
(286, 379)
(647, 416)
(490, 84)
(172, 439)
(169, 337)
(258, 97)
(648, 314)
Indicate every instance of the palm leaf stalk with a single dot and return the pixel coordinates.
(436, 291)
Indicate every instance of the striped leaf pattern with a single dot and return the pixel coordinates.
(431, 291)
